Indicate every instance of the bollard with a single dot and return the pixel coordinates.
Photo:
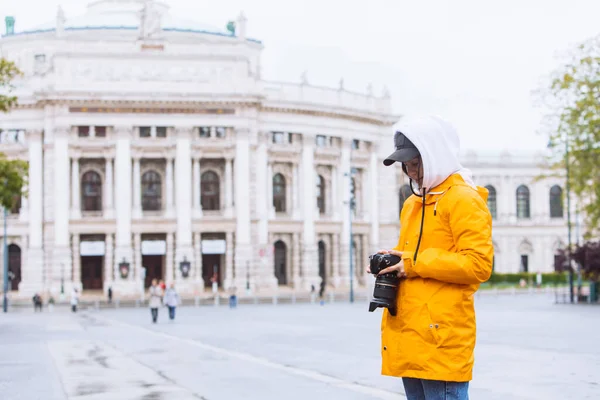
(137, 303)
(117, 303)
(97, 305)
(217, 301)
(274, 300)
(331, 297)
(196, 301)
(293, 298)
(255, 299)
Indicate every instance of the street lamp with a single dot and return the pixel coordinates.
(351, 207)
(568, 185)
(5, 254)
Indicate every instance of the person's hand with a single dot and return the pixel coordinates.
(397, 268)
(379, 252)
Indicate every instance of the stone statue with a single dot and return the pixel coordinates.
(150, 21)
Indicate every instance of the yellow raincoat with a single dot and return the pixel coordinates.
(433, 334)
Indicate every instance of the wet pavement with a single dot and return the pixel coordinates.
(528, 348)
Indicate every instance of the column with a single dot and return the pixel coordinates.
(32, 272)
(76, 276)
(136, 271)
(108, 261)
(196, 185)
(344, 180)
(183, 165)
(137, 188)
(334, 204)
(61, 256)
(75, 191)
(198, 259)
(335, 249)
(227, 279)
(296, 214)
(24, 210)
(169, 181)
(123, 250)
(229, 187)
(169, 259)
(265, 273)
(310, 261)
(108, 189)
(374, 198)
(296, 254)
(363, 259)
(243, 249)
(270, 207)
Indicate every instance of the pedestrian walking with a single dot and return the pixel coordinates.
(155, 301)
(445, 250)
(74, 300)
(37, 302)
(171, 300)
(110, 294)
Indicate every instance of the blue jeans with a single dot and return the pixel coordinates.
(171, 312)
(423, 389)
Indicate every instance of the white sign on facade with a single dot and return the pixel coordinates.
(213, 247)
(154, 247)
(95, 248)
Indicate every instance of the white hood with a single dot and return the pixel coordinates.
(439, 145)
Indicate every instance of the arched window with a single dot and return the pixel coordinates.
(151, 191)
(210, 191)
(91, 191)
(491, 202)
(321, 194)
(556, 202)
(279, 199)
(280, 258)
(404, 194)
(523, 202)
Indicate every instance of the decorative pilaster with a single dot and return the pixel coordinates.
(243, 246)
(169, 181)
(270, 206)
(169, 275)
(137, 249)
(137, 188)
(344, 190)
(229, 187)
(374, 198)
(123, 212)
(61, 252)
(264, 264)
(75, 191)
(334, 204)
(296, 253)
(310, 259)
(196, 185)
(198, 259)
(108, 262)
(76, 276)
(183, 166)
(228, 278)
(108, 189)
(24, 210)
(296, 212)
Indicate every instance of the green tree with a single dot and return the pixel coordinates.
(573, 119)
(13, 173)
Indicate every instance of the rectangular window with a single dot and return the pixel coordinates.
(524, 263)
(145, 131)
(83, 131)
(161, 131)
(321, 141)
(204, 131)
(100, 131)
(279, 138)
(355, 144)
(220, 131)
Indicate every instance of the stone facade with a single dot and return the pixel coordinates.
(168, 156)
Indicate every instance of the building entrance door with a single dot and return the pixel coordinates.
(14, 266)
(211, 266)
(154, 268)
(91, 272)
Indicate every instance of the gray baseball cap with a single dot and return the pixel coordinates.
(405, 150)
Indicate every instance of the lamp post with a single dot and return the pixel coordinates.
(568, 185)
(351, 207)
(5, 254)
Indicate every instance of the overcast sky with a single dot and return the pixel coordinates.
(474, 62)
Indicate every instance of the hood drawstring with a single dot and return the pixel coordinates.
(421, 229)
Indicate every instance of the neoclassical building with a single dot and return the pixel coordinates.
(157, 150)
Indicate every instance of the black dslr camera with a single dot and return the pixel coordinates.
(386, 285)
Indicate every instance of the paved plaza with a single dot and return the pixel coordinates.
(528, 348)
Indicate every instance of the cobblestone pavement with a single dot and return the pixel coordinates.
(528, 348)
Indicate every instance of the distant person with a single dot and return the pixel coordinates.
(74, 300)
(162, 285)
(233, 298)
(155, 301)
(214, 279)
(37, 302)
(171, 300)
(110, 294)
